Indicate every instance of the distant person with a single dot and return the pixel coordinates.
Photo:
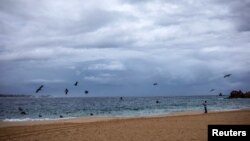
(205, 106)
(66, 91)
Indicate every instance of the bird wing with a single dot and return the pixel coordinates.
(39, 89)
(227, 75)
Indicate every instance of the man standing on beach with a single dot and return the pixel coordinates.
(205, 106)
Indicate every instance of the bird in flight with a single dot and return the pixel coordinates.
(66, 91)
(76, 83)
(212, 90)
(39, 89)
(227, 75)
(155, 84)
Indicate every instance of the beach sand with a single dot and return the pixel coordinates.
(174, 127)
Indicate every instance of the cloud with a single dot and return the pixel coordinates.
(238, 13)
(101, 78)
(39, 81)
(128, 43)
(112, 66)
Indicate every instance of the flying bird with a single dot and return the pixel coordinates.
(76, 83)
(86, 92)
(212, 90)
(155, 84)
(40, 115)
(66, 91)
(227, 75)
(23, 113)
(20, 109)
(39, 89)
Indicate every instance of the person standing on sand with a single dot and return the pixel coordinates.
(205, 106)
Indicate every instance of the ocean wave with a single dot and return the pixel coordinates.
(35, 119)
(30, 109)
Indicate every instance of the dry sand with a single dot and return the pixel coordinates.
(176, 127)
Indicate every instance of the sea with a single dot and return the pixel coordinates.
(54, 108)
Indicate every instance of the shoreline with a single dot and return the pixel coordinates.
(88, 119)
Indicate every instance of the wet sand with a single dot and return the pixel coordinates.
(189, 126)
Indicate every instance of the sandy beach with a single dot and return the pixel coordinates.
(180, 126)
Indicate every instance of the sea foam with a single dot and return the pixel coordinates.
(36, 119)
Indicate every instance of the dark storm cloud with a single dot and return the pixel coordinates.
(239, 12)
(41, 24)
(124, 46)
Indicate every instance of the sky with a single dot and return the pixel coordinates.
(122, 47)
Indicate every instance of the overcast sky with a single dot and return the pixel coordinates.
(122, 47)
